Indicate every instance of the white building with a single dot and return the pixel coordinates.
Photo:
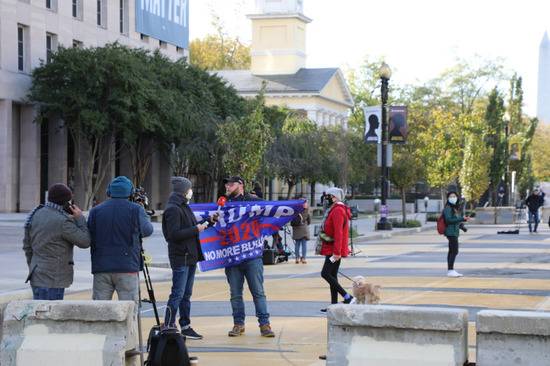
(32, 157)
(543, 97)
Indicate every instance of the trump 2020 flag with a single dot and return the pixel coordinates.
(239, 234)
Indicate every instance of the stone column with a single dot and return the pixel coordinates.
(7, 158)
(29, 194)
(57, 152)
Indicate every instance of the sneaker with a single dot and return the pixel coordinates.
(238, 330)
(453, 273)
(351, 300)
(266, 331)
(189, 333)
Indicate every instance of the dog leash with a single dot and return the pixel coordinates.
(346, 277)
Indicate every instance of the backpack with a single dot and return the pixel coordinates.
(166, 347)
(441, 225)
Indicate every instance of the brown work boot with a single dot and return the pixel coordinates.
(266, 331)
(297, 260)
(237, 331)
(304, 260)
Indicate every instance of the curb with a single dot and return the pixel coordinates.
(390, 234)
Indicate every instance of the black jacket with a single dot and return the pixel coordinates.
(244, 197)
(179, 227)
(535, 201)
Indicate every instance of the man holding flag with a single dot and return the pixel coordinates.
(252, 270)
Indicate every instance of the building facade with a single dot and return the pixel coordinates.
(32, 156)
(278, 61)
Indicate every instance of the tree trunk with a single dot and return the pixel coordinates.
(291, 185)
(312, 203)
(404, 205)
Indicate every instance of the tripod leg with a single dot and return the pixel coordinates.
(140, 335)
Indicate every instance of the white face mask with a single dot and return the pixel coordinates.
(189, 195)
(453, 200)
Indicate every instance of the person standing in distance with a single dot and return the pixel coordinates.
(51, 233)
(534, 202)
(252, 270)
(181, 230)
(453, 220)
(116, 227)
(300, 233)
(334, 236)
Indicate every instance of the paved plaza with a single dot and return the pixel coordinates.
(501, 272)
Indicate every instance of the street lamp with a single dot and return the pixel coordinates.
(385, 75)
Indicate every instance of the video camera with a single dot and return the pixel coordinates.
(140, 196)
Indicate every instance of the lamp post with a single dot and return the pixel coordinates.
(385, 75)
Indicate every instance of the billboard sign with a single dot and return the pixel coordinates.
(165, 20)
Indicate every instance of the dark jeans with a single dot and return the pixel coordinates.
(533, 218)
(253, 271)
(180, 297)
(330, 274)
(453, 252)
(47, 293)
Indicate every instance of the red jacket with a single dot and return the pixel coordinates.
(337, 227)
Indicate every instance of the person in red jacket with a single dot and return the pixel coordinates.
(334, 236)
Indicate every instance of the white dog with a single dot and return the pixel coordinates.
(364, 292)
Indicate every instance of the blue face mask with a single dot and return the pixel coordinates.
(453, 200)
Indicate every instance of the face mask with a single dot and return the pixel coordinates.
(453, 200)
(189, 195)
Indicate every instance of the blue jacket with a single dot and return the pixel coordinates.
(115, 227)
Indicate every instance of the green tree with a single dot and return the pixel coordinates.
(406, 171)
(474, 175)
(541, 156)
(93, 91)
(245, 141)
(496, 140)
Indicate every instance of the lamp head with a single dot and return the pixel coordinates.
(384, 71)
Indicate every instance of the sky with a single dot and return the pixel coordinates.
(419, 39)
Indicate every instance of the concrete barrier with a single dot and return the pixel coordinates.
(545, 215)
(366, 335)
(485, 216)
(12, 296)
(519, 338)
(68, 333)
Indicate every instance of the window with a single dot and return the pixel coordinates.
(49, 4)
(101, 13)
(77, 44)
(21, 52)
(76, 9)
(51, 46)
(123, 16)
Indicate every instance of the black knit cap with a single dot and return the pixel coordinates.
(59, 194)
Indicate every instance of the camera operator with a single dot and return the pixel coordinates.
(116, 227)
(181, 231)
(51, 232)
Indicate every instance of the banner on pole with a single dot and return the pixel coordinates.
(241, 230)
(398, 125)
(373, 124)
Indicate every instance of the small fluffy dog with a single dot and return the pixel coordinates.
(364, 292)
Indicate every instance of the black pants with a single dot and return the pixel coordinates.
(453, 252)
(330, 274)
